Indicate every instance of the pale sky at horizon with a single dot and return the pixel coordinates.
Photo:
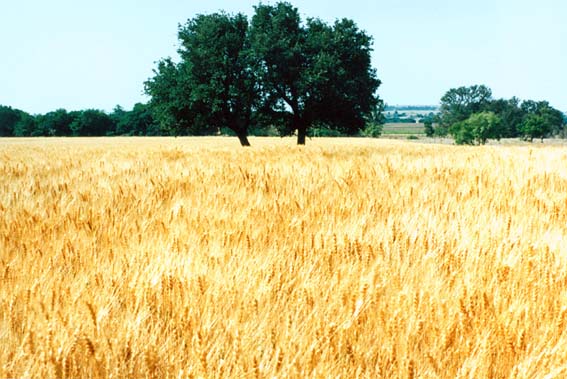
(76, 54)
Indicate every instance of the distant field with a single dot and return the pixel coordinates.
(410, 113)
(345, 258)
(403, 128)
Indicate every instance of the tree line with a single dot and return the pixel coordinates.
(275, 74)
(472, 116)
(91, 122)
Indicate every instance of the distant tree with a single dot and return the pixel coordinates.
(534, 126)
(137, 122)
(458, 104)
(428, 126)
(553, 117)
(56, 123)
(313, 74)
(214, 85)
(477, 129)
(541, 120)
(119, 118)
(396, 117)
(92, 122)
(511, 115)
(25, 125)
(142, 120)
(8, 119)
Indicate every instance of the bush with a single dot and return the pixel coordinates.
(428, 126)
(462, 133)
(534, 126)
(261, 131)
(477, 129)
(372, 130)
(323, 131)
(440, 131)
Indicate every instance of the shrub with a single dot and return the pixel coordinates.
(372, 130)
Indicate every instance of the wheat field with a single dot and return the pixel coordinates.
(346, 258)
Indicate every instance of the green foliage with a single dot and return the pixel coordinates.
(376, 115)
(440, 130)
(56, 123)
(263, 130)
(137, 122)
(462, 133)
(25, 126)
(428, 126)
(511, 115)
(323, 131)
(534, 126)
(279, 71)
(8, 119)
(553, 117)
(374, 125)
(528, 119)
(458, 104)
(92, 122)
(314, 73)
(372, 130)
(477, 129)
(541, 120)
(214, 85)
(172, 102)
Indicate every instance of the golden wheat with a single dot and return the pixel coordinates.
(193, 257)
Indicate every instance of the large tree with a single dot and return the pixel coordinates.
(312, 74)
(214, 84)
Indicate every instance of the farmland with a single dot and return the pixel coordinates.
(194, 257)
(403, 129)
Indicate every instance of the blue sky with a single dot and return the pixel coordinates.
(78, 54)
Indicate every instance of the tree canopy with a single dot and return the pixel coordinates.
(8, 119)
(476, 129)
(276, 71)
(91, 122)
(313, 74)
(458, 104)
(214, 85)
(540, 120)
(470, 115)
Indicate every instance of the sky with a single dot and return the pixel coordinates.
(78, 54)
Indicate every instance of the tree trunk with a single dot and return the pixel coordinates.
(243, 138)
(301, 133)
